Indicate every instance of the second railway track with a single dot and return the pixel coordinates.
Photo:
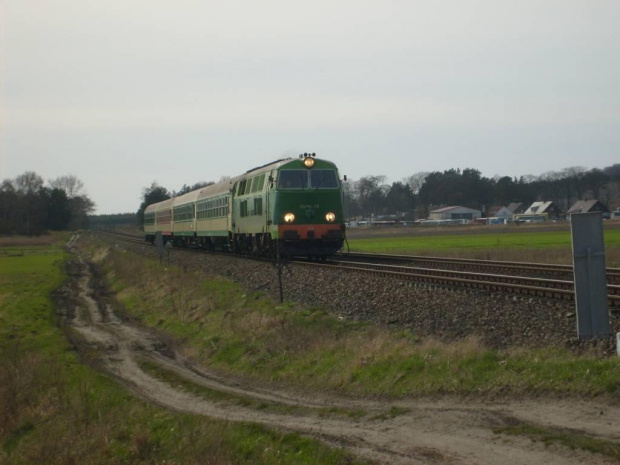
(537, 270)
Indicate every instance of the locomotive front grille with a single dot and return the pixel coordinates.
(291, 236)
(334, 234)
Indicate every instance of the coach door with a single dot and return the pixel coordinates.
(270, 186)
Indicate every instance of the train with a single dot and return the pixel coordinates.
(289, 207)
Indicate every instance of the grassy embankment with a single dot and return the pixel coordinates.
(55, 409)
(253, 336)
(506, 244)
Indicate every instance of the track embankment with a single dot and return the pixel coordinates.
(500, 321)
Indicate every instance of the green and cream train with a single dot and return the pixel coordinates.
(291, 206)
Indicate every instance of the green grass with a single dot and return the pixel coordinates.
(55, 409)
(488, 371)
(252, 336)
(542, 240)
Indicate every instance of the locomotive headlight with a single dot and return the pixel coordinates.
(308, 162)
(330, 217)
(289, 217)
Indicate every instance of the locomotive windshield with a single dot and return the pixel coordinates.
(323, 179)
(293, 179)
(316, 179)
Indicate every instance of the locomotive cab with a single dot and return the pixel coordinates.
(308, 216)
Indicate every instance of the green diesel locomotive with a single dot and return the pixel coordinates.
(292, 206)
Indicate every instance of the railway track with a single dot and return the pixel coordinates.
(442, 272)
(554, 289)
(538, 270)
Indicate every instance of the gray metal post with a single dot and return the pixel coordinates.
(159, 241)
(590, 276)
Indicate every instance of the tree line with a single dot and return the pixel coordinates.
(29, 206)
(415, 196)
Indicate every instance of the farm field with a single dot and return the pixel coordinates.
(531, 244)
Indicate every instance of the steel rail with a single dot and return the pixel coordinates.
(564, 271)
(551, 289)
(509, 279)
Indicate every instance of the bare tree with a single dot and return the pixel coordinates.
(70, 183)
(28, 183)
(416, 181)
(372, 192)
(574, 183)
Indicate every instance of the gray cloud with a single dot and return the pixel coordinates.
(193, 90)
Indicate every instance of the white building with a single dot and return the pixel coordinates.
(455, 213)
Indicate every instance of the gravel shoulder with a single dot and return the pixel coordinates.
(444, 431)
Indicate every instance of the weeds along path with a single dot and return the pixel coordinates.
(408, 432)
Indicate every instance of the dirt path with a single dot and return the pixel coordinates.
(424, 432)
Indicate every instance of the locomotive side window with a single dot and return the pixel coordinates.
(241, 187)
(323, 179)
(258, 206)
(257, 185)
(293, 179)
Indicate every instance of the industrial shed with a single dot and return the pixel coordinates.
(455, 213)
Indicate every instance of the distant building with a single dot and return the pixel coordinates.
(516, 208)
(455, 213)
(549, 208)
(588, 206)
(500, 212)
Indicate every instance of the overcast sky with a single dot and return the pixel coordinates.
(123, 93)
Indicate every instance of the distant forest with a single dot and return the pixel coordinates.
(29, 207)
